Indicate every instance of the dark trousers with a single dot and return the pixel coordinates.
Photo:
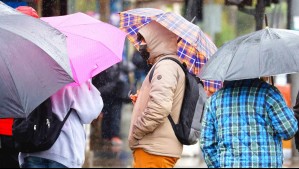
(8, 155)
(37, 162)
(111, 118)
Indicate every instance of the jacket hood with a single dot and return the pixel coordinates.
(160, 41)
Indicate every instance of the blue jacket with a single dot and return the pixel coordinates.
(244, 125)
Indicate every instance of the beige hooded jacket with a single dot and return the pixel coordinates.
(150, 127)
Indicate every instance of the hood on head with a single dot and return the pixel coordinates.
(159, 40)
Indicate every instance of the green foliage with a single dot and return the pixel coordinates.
(228, 31)
(245, 24)
(86, 5)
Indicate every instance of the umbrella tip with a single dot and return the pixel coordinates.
(266, 20)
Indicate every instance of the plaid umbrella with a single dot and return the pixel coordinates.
(194, 49)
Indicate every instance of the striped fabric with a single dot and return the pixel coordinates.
(195, 49)
(244, 124)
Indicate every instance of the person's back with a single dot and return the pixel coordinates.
(69, 149)
(244, 124)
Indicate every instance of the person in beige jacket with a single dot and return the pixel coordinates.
(151, 136)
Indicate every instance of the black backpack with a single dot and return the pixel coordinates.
(39, 131)
(188, 129)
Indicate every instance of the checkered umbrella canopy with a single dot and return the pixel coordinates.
(194, 49)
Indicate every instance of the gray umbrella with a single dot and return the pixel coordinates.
(4, 10)
(33, 63)
(266, 52)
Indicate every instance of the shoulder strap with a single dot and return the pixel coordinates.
(152, 74)
(67, 116)
(49, 108)
(183, 66)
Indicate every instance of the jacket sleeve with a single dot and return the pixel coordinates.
(87, 101)
(163, 86)
(208, 139)
(282, 117)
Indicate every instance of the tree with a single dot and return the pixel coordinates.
(258, 12)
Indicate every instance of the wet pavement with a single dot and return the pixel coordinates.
(108, 156)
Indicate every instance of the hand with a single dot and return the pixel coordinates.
(133, 142)
(134, 97)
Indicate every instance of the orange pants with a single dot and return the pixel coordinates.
(143, 159)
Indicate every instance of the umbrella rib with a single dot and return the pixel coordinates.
(67, 18)
(15, 86)
(137, 28)
(82, 24)
(235, 54)
(260, 46)
(20, 35)
(291, 32)
(93, 40)
(292, 54)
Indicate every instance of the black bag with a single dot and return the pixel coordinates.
(188, 129)
(39, 131)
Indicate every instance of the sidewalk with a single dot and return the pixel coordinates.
(294, 163)
(106, 158)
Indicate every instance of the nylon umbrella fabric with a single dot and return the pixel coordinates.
(93, 46)
(33, 63)
(195, 48)
(267, 52)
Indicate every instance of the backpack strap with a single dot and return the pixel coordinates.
(183, 66)
(49, 108)
(171, 121)
(152, 74)
(67, 116)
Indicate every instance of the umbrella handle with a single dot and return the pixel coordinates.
(266, 20)
(91, 72)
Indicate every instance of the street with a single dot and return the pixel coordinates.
(121, 157)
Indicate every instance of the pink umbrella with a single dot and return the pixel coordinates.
(93, 46)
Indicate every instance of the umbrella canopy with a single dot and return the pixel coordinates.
(33, 63)
(194, 49)
(267, 52)
(5, 10)
(93, 46)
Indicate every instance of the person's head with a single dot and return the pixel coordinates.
(143, 47)
(157, 40)
(28, 11)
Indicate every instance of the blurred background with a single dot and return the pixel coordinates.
(221, 20)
